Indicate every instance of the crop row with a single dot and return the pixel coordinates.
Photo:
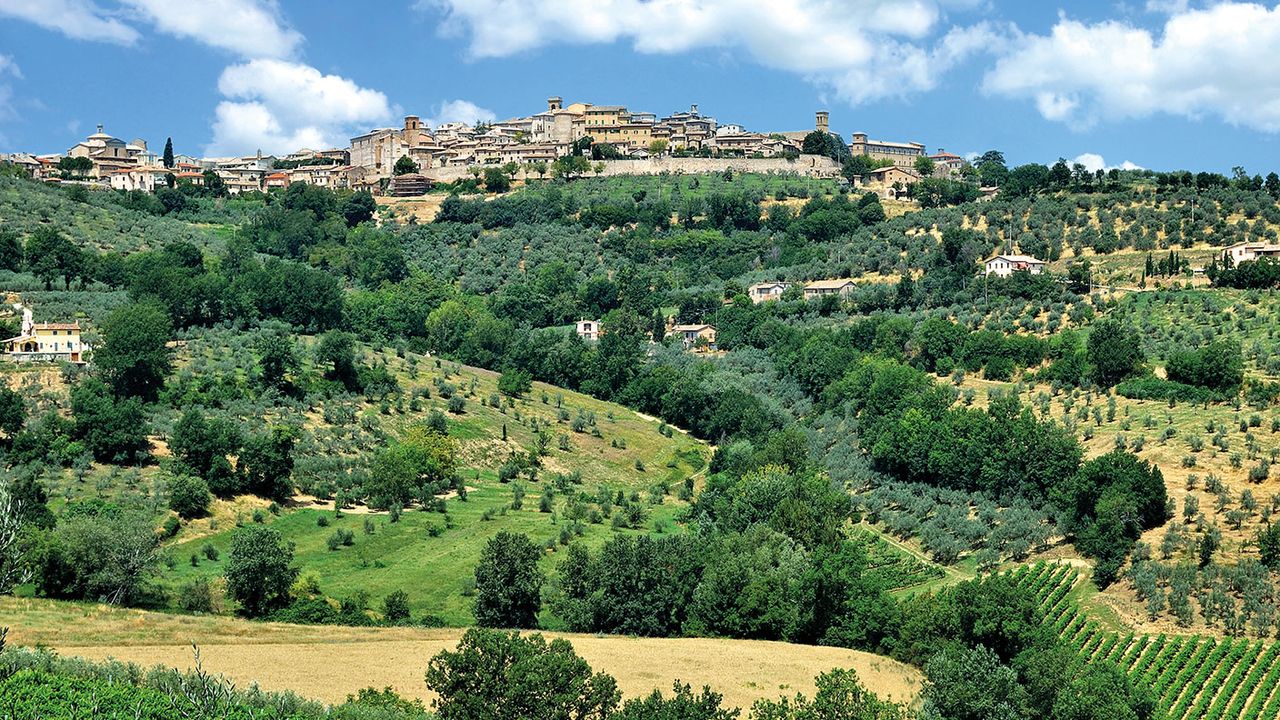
(1169, 688)
(1214, 666)
(1261, 669)
(1163, 673)
(1261, 707)
(1218, 694)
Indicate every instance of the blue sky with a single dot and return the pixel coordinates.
(1157, 83)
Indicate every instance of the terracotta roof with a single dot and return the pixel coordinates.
(1018, 258)
(828, 284)
(56, 326)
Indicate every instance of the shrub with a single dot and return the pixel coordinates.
(189, 496)
(196, 596)
(395, 607)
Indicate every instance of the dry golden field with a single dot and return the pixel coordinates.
(327, 663)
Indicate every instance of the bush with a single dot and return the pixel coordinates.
(196, 596)
(189, 496)
(395, 608)
(457, 405)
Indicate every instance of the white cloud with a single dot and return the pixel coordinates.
(463, 111)
(78, 19)
(249, 28)
(280, 106)
(1205, 62)
(1093, 162)
(870, 49)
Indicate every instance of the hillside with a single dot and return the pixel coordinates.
(336, 421)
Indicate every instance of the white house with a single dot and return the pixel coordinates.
(818, 288)
(1248, 251)
(1006, 265)
(762, 292)
(588, 329)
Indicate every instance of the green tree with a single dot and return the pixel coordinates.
(840, 696)
(277, 359)
(134, 357)
(395, 607)
(10, 250)
(494, 675)
(168, 153)
(113, 429)
(266, 462)
(496, 181)
(50, 256)
(188, 496)
(405, 166)
(359, 208)
(509, 582)
(260, 569)
(682, 705)
(924, 166)
(1268, 542)
(1113, 352)
(515, 382)
(972, 684)
(198, 442)
(423, 463)
(99, 552)
(13, 412)
(570, 166)
(337, 350)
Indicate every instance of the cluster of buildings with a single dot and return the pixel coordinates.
(766, 291)
(552, 133)
(370, 160)
(699, 337)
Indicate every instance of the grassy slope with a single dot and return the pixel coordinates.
(432, 569)
(328, 662)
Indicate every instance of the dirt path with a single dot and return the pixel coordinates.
(952, 572)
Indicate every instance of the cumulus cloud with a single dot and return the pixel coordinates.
(1204, 62)
(1093, 162)
(77, 19)
(463, 111)
(280, 106)
(879, 48)
(249, 28)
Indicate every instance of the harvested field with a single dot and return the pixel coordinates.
(327, 663)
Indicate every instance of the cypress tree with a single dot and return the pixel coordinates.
(168, 152)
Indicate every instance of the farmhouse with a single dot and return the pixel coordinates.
(698, 337)
(1006, 265)
(588, 329)
(762, 292)
(818, 288)
(1247, 251)
(894, 176)
(45, 342)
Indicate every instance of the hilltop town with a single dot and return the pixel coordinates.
(408, 160)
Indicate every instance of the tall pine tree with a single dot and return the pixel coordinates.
(168, 152)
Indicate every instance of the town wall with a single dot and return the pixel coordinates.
(806, 165)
